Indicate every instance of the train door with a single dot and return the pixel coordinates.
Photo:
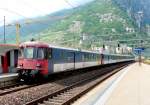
(17, 53)
(74, 60)
(70, 60)
(78, 61)
(4, 64)
(102, 59)
(8, 61)
(13, 58)
(50, 57)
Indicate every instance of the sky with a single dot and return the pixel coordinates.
(14, 10)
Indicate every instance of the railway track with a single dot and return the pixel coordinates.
(67, 87)
(15, 88)
(69, 94)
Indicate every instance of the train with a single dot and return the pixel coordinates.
(42, 59)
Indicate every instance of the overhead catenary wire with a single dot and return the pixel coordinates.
(25, 17)
(30, 6)
(29, 19)
(13, 12)
(70, 4)
(19, 14)
(16, 13)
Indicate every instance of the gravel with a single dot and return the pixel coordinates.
(23, 96)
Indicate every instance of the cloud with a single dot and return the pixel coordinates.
(18, 9)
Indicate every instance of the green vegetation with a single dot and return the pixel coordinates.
(93, 23)
(99, 20)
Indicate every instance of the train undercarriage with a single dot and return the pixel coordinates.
(29, 75)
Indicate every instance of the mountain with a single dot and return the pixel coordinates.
(93, 24)
(134, 6)
(89, 25)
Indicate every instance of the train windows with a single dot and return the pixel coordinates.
(49, 53)
(44, 53)
(28, 52)
(62, 54)
(41, 53)
(96, 56)
(83, 57)
(0, 61)
(92, 57)
(87, 57)
(108, 57)
(21, 52)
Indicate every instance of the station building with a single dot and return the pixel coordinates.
(8, 58)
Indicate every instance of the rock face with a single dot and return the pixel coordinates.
(135, 6)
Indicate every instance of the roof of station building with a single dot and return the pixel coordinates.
(4, 48)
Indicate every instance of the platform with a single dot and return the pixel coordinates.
(130, 86)
(8, 77)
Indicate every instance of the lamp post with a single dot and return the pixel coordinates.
(4, 31)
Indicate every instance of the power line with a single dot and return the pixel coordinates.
(4, 30)
(13, 12)
(69, 3)
(29, 5)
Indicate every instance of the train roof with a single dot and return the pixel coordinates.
(33, 44)
(41, 44)
(118, 54)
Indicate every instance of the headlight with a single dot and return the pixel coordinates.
(38, 65)
(20, 65)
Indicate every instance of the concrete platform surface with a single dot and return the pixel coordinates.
(8, 76)
(134, 88)
(130, 86)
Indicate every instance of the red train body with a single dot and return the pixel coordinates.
(28, 65)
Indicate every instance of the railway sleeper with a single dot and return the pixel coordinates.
(52, 100)
(61, 97)
(59, 101)
(65, 95)
(71, 94)
(40, 104)
(51, 103)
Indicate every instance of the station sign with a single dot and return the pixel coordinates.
(139, 50)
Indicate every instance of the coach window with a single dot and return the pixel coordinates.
(0, 61)
(62, 54)
(49, 53)
(83, 57)
(21, 52)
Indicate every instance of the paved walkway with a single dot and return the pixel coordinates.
(134, 88)
(130, 86)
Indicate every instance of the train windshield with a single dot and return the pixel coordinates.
(36, 53)
(27, 52)
(41, 53)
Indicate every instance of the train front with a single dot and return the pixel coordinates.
(33, 62)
